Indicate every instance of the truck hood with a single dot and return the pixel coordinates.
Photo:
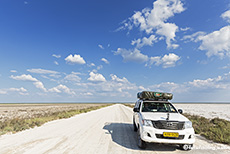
(163, 116)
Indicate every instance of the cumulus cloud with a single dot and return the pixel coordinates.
(218, 82)
(39, 85)
(216, 43)
(95, 77)
(226, 16)
(197, 85)
(41, 71)
(155, 19)
(24, 77)
(75, 59)
(105, 60)
(56, 56)
(166, 61)
(144, 41)
(117, 79)
(133, 56)
(114, 87)
(62, 88)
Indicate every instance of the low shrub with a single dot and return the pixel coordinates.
(217, 130)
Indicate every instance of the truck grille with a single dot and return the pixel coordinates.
(170, 125)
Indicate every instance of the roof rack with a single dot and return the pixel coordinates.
(144, 99)
(151, 95)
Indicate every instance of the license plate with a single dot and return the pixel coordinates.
(169, 134)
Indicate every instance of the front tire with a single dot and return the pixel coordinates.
(134, 126)
(141, 144)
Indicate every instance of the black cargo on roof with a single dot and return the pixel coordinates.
(154, 95)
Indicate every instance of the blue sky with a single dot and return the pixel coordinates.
(107, 51)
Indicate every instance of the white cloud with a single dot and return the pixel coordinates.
(21, 91)
(169, 31)
(111, 88)
(75, 59)
(226, 16)
(24, 77)
(62, 88)
(13, 71)
(195, 37)
(196, 86)
(217, 83)
(100, 46)
(95, 77)
(91, 65)
(72, 77)
(166, 61)
(99, 67)
(117, 79)
(41, 71)
(170, 87)
(156, 19)
(87, 94)
(133, 56)
(56, 56)
(185, 29)
(3, 91)
(40, 85)
(144, 41)
(105, 60)
(216, 43)
(56, 63)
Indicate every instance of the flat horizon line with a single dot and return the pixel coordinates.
(107, 102)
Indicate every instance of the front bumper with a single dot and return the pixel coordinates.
(151, 134)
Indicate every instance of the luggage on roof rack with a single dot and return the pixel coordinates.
(151, 95)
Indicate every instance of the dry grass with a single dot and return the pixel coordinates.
(215, 129)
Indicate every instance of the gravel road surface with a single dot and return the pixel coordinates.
(107, 130)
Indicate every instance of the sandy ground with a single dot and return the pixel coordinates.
(107, 130)
(11, 111)
(207, 110)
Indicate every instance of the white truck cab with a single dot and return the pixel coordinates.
(158, 121)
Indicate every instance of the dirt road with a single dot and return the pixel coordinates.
(107, 130)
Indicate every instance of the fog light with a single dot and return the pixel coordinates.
(190, 137)
(148, 135)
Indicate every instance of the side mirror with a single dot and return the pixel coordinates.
(136, 110)
(180, 111)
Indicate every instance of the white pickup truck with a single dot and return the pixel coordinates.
(158, 121)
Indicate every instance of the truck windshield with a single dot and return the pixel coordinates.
(158, 107)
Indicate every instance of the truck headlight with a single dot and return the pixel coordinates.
(147, 122)
(187, 124)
